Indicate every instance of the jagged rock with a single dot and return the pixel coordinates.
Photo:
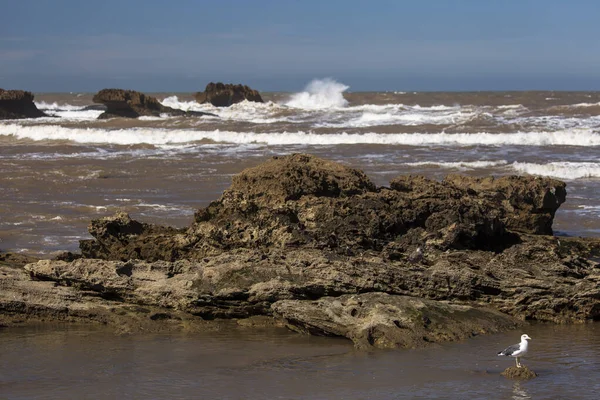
(17, 104)
(300, 200)
(528, 203)
(388, 321)
(121, 238)
(292, 177)
(522, 373)
(223, 95)
(132, 104)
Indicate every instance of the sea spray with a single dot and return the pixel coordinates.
(320, 94)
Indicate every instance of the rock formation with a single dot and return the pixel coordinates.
(132, 104)
(17, 104)
(523, 373)
(316, 246)
(223, 95)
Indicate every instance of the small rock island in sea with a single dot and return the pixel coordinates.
(18, 104)
(315, 246)
(225, 94)
(132, 104)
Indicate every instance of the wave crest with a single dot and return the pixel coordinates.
(320, 94)
(157, 136)
(562, 170)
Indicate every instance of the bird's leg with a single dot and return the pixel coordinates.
(518, 363)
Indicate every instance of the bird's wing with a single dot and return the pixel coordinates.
(510, 350)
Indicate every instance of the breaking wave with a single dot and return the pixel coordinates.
(562, 170)
(320, 94)
(460, 165)
(157, 136)
(42, 105)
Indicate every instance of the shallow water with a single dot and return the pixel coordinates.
(82, 363)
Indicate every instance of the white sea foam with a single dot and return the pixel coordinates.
(174, 102)
(245, 111)
(42, 105)
(584, 105)
(562, 170)
(320, 94)
(156, 136)
(78, 115)
(397, 116)
(167, 207)
(460, 165)
(586, 207)
(510, 106)
(153, 118)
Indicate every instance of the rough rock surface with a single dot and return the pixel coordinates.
(132, 104)
(388, 321)
(118, 236)
(315, 245)
(17, 104)
(302, 201)
(225, 94)
(522, 373)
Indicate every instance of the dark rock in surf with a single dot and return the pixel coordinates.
(224, 95)
(132, 104)
(18, 104)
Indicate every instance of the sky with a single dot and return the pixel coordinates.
(281, 45)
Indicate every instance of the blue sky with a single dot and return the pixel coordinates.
(65, 45)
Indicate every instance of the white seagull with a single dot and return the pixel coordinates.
(517, 350)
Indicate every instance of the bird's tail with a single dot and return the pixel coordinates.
(500, 353)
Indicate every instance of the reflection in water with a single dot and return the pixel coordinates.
(519, 392)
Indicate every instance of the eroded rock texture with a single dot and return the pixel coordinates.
(132, 104)
(226, 94)
(315, 245)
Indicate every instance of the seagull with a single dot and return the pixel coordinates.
(517, 350)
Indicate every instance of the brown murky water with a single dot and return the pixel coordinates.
(80, 363)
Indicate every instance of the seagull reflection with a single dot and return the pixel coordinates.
(519, 392)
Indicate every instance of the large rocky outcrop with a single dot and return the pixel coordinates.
(132, 104)
(302, 201)
(315, 245)
(17, 104)
(225, 94)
